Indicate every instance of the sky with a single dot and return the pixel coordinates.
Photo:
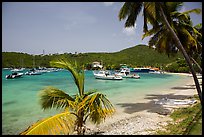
(69, 27)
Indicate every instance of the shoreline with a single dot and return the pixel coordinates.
(144, 117)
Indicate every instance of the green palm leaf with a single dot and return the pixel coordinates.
(197, 11)
(98, 106)
(62, 123)
(192, 41)
(130, 10)
(51, 97)
(76, 71)
(151, 32)
(174, 6)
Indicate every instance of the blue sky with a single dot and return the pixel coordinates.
(82, 27)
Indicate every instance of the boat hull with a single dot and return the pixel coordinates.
(108, 78)
(142, 70)
(14, 75)
(132, 76)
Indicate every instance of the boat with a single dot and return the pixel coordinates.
(18, 70)
(142, 70)
(14, 75)
(106, 75)
(135, 76)
(125, 73)
(33, 72)
(155, 71)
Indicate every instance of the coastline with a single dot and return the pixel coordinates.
(144, 117)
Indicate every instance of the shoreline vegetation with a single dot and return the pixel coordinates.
(130, 56)
(146, 122)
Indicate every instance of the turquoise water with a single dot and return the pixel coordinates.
(20, 100)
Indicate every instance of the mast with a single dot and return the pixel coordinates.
(33, 61)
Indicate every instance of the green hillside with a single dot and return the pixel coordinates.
(140, 55)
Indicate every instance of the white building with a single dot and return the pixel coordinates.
(96, 65)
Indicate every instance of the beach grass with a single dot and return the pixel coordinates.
(186, 121)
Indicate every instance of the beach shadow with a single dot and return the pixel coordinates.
(183, 88)
(151, 106)
(137, 107)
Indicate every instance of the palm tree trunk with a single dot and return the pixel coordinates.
(200, 69)
(179, 45)
(80, 123)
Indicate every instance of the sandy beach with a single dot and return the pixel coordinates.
(144, 116)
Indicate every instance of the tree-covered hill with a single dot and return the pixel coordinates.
(140, 55)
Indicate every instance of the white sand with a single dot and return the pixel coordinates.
(143, 116)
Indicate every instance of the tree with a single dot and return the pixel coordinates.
(77, 108)
(188, 35)
(157, 13)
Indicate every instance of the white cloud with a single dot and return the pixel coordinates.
(108, 3)
(130, 31)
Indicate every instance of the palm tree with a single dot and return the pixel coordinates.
(196, 53)
(157, 13)
(188, 35)
(77, 108)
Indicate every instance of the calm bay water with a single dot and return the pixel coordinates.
(20, 100)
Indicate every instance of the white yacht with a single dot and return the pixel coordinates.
(125, 73)
(106, 75)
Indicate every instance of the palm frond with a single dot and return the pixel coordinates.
(180, 16)
(130, 10)
(154, 39)
(124, 11)
(198, 26)
(174, 6)
(145, 27)
(161, 44)
(192, 41)
(98, 106)
(151, 14)
(150, 9)
(135, 9)
(62, 123)
(87, 93)
(197, 32)
(197, 11)
(76, 71)
(151, 32)
(51, 97)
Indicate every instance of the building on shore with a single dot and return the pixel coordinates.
(96, 65)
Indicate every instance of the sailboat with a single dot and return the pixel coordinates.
(18, 69)
(33, 71)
